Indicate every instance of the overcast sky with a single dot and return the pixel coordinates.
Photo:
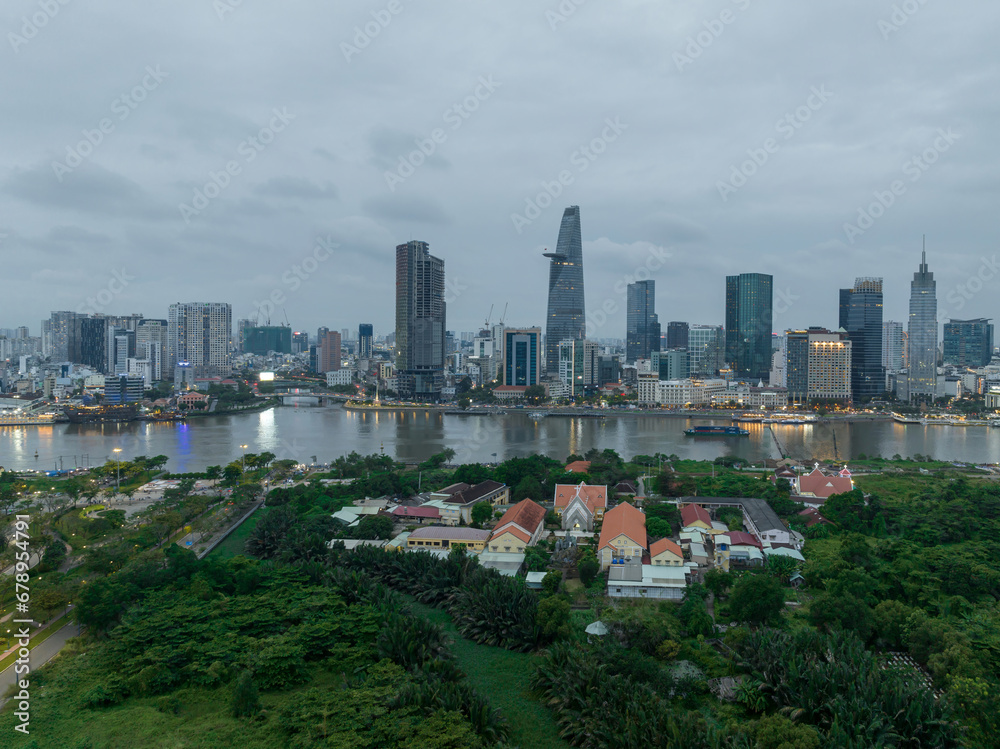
(824, 104)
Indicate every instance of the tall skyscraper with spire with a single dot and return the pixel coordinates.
(567, 317)
(922, 339)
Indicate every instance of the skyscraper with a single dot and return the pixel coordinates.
(861, 317)
(677, 334)
(522, 356)
(749, 299)
(420, 322)
(366, 339)
(818, 365)
(923, 334)
(706, 346)
(642, 335)
(200, 333)
(567, 313)
(968, 343)
(892, 346)
(328, 355)
(151, 343)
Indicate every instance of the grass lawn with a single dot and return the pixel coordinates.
(235, 541)
(502, 676)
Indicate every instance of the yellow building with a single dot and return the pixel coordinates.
(444, 539)
(623, 535)
(520, 527)
(666, 553)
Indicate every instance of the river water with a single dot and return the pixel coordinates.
(303, 430)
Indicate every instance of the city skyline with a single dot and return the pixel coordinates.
(313, 215)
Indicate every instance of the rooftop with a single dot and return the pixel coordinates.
(665, 544)
(592, 496)
(474, 493)
(623, 520)
(692, 513)
(525, 515)
(451, 534)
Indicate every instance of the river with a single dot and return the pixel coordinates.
(302, 431)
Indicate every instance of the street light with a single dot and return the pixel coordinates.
(118, 470)
(244, 458)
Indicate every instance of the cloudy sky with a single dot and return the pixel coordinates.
(219, 150)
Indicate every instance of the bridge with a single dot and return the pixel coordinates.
(299, 393)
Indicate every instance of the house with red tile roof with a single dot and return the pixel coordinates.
(696, 516)
(665, 553)
(813, 517)
(520, 527)
(422, 514)
(580, 505)
(623, 535)
(821, 486)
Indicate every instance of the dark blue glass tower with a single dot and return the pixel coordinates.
(861, 317)
(566, 315)
(749, 299)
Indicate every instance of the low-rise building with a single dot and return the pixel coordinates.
(520, 527)
(696, 516)
(455, 502)
(445, 538)
(623, 535)
(666, 553)
(421, 514)
(647, 581)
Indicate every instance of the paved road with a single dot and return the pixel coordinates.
(40, 655)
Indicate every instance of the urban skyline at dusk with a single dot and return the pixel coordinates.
(814, 174)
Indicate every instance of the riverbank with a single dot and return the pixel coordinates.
(270, 403)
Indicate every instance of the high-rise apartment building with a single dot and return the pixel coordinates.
(818, 365)
(242, 326)
(200, 333)
(151, 343)
(566, 317)
(60, 336)
(300, 342)
(366, 340)
(420, 322)
(642, 334)
(749, 298)
(861, 317)
(522, 356)
(263, 339)
(968, 343)
(922, 340)
(893, 338)
(328, 354)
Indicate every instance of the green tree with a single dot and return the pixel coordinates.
(551, 582)
(374, 527)
(757, 600)
(553, 617)
(481, 512)
(246, 701)
(528, 488)
(718, 581)
(588, 567)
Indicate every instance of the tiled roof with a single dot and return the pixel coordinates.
(820, 485)
(623, 520)
(665, 544)
(474, 493)
(578, 466)
(592, 496)
(690, 514)
(416, 512)
(452, 534)
(742, 538)
(525, 515)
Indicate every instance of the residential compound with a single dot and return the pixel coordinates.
(455, 502)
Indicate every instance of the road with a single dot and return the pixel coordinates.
(40, 655)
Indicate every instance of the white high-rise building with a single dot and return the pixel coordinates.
(200, 333)
(892, 345)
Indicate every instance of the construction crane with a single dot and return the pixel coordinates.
(488, 317)
(504, 315)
